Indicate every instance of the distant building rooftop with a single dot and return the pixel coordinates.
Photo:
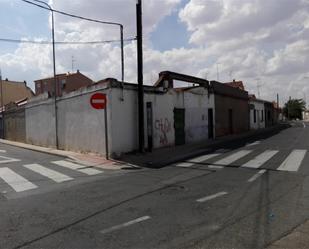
(236, 84)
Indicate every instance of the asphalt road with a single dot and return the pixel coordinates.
(240, 196)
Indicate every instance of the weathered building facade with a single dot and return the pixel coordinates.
(231, 109)
(173, 116)
(257, 113)
(12, 91)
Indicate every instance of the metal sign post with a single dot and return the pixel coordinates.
(99, 101)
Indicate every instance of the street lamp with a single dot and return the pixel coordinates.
(54, 68)
(90, 20)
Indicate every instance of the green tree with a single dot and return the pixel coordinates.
(293, 108)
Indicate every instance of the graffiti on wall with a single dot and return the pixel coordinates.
(163, 126)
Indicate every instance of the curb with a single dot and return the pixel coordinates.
(49, 151)
(65, 154)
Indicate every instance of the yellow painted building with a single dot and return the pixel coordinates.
(12, 91)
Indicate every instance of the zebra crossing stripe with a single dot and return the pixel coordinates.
(197, 160)
(232, 158)
(17, 182)
(254, 143)
(204, 158)
(49, 173)
(259, 160)
(90, 171)
(4, 159)
(77, 167)
(184, 165)
(293, 161)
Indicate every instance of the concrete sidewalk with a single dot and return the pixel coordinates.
(84, 159)
(161, 157)
(298, 238)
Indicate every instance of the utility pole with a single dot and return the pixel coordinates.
(2, 108)
(55, 79)
(1, 88)
(278, 100)
(139, 37)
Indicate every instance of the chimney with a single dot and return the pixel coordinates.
(77, 70)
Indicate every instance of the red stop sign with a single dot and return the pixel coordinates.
(98, 101)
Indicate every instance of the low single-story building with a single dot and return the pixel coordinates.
(173, 116)
(257, 113)
(231, 109)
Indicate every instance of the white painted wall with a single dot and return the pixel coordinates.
(163, 118)
(124, 120)
(260, 115)
(196, 104)
(40, 123)
(81, 127)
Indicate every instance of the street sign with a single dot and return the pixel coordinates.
(98, 101)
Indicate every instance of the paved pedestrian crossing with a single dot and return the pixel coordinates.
(27, 177)
(292, 161)
(259, 160)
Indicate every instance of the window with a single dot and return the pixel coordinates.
(262, 116)
(254, 116)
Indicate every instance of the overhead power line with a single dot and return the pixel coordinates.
(72, 15)
(48, 7)
(63, 42)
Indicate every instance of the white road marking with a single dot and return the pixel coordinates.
(259, 160)
(257, 175)
(90, 171)
(132, 222)
(211, 197)
(49, 173)
(3, 151)
(293, 161)
(204, 158)
(80, 168)
(184, 165)
(252, 144)
(197, 160)
(17, 182)
(232, 158)
(4, 159)
(215, 167)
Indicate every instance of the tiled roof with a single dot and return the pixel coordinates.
(236, 84)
